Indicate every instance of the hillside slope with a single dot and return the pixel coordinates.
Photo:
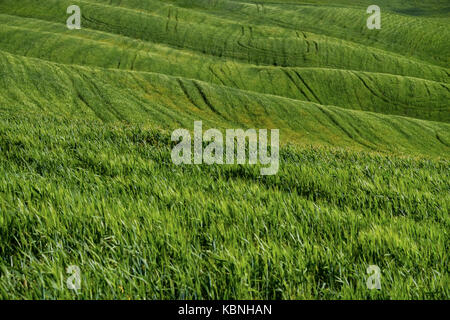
(168, 102)
(229, 44)
(238, 64)
(359, 90)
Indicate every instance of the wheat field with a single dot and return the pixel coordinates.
(86, 176)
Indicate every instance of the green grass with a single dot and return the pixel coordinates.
(109, 199)
(168, 102)
(86, 176)
(234, 47)
(358, 90)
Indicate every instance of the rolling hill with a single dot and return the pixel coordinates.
(86, 176)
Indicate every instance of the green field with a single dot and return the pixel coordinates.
(86, 176)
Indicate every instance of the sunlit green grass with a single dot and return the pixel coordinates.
(108, 199)
(279, 52)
